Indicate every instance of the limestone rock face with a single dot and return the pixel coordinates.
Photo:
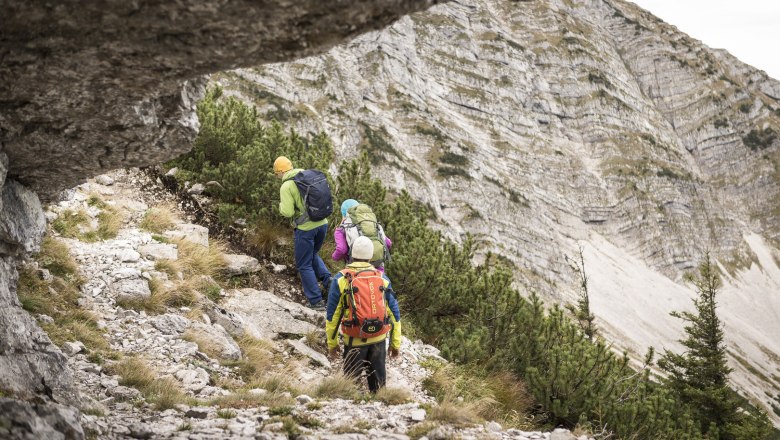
(22, 420)
(30, 365)
(114, 84)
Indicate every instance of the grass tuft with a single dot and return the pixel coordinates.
(257, 358)
(337, 387)
(245, 399)
(393, 395)
(164, 393)
(449, 412)
(195, 259)
(226, 414)
(69, 223)
(421, 429)
(499, 396)
(158, 219)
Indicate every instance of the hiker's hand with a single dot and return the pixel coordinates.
(394, 352)
(333, 354)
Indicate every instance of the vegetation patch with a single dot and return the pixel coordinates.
(158, 220)
(164, 393)
(760, 139)
(336, 386)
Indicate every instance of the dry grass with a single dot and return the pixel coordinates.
(186, 293)
(164, 393)
(257, 359)
(170, 267)
(336, 387)
(69, 223)
(499, 396)
(266, 237)
(393, 395)
(55, 257)
(449, 412)
(245, 399)
(195, 259)
(58, 299)
(421, 429)
(72, 224)
(158, 219)
(277, 383)
(359, 426)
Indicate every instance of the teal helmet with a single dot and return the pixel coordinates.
(346, 205)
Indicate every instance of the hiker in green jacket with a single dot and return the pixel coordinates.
(308, 236)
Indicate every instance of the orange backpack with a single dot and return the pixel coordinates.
(364, 298)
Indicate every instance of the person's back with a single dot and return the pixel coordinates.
(359, 220)
(308, 235)
(362, 350)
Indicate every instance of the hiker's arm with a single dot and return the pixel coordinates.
(342, 249)
(332, 313)
(286, 200)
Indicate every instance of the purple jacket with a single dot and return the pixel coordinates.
(342, 249)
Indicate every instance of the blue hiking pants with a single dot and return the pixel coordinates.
(310, 266)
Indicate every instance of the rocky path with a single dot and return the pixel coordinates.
(195, 348)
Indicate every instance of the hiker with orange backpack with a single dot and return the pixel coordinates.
(363, 308)
(305, 199)
(359, 220)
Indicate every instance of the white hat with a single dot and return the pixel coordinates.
(362, 248)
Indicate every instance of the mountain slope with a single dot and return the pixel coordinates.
(544, 125)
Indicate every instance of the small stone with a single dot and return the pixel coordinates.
(493, 427)
(258, 391)
(236, 264)
(140, 430)
(303, 399)
(196, 189)
(104, 179)
(198, 412)
(44, 319)
(417, 415)
(72, 348)
(172, 172)
(124, 393)
(561, 434)
(181, 407)
(278, 268)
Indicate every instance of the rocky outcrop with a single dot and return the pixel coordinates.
(113, 84)
(92, 87)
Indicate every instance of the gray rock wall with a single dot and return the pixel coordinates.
(91, 86)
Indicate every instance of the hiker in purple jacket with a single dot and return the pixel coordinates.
(342, 246)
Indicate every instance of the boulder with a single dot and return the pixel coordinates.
(159, 251)
(233, 323)
(267, 316)
(193, 233)
(240, 264)
(170, 324)
(132, 289)
(24, 420)
(22, 223)
(216, 340)
(312, 354)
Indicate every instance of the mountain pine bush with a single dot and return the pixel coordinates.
(471, 312)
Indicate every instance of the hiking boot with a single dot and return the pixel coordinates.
(319, 306)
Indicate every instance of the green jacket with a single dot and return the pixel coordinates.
(291, 202)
